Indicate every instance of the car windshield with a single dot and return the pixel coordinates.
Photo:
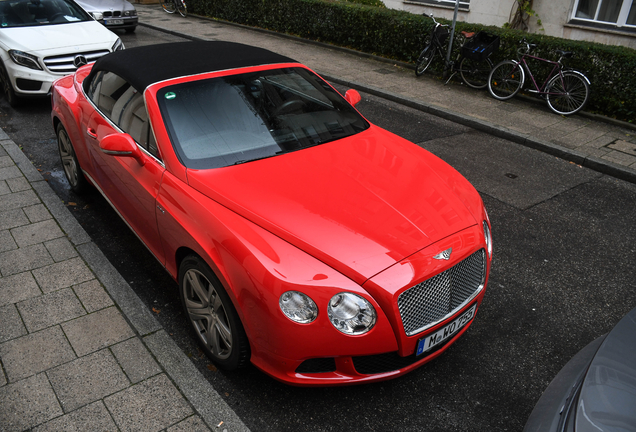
(240, 118)
(24, 13)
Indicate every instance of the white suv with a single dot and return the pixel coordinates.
(43, 40)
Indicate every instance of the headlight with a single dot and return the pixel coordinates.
(118, 45)
(97, 15)
(24, 59)
(351, 314)
(488, 238)
(298, 307)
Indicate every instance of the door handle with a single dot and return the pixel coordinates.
(91, 133)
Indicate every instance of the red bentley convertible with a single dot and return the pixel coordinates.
(304, 239)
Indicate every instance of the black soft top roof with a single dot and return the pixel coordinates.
(146, 65)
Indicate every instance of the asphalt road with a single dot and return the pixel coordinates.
(563, 274)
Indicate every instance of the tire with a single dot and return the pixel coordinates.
(182, 8)
(505, 80)
(7, 88)
(70, 164)
(214, 320)
(425, 60)
(475, 73)
(568, 93)
(169, 6)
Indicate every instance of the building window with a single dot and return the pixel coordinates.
(613, 13)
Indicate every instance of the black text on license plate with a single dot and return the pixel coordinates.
(430, 341)
(114, 21)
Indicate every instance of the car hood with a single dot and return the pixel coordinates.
(105, 5)
(359, 204)
(608, 395)
(55, 39)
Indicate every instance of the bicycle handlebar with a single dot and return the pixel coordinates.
(433, 18)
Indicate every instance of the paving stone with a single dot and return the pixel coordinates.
(50, 309)
(36, 233)
(91, 418)
(11, 325)
(18, 200)
(37, 213)
(27, 403)
(135, 359)
(34, 353)
(60, 249)
(151, 405)
(6, 241)
(18, 287)
(624, 146)
(87, 379)
(97, 330)
(93, 295)
(620, 158)
(9, 172)
(23, 259)
(62, 275)
(12, 218)
(4, 188)
(191, 424)
(18, 184)
(6, 161)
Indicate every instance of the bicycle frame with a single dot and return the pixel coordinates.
(557, 66)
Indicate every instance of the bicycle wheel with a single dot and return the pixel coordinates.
(475, 72)
(425, 60)
(181, 7)
(168, 6)
(505, 80)
(567, 93)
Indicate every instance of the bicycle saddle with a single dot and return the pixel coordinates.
(566, 54)
(468, 35)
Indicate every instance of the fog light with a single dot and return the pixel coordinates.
(298, 307)
(351, 314)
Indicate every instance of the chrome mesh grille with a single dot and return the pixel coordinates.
(440, 296)
(64, 63)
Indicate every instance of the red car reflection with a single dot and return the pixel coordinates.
(305, 240)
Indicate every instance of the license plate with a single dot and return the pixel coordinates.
(430, 341)
(114, 21)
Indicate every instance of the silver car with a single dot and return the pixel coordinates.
(114, 14)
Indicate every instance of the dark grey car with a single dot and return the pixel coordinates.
(114, 14)
(596, 390)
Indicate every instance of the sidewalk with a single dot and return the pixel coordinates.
(584, 140)
(78, 350)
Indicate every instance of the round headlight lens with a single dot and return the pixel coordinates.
(298, 307)
(351, 314)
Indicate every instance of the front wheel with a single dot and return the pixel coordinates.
(475, 72)
(215, 321)
(168, 6)
(567, 93)
(182, 8)
(505, 80)
(425, 59)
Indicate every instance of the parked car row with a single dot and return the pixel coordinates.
(43, 40)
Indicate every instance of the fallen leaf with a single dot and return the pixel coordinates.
(211, 367)
(155, 310)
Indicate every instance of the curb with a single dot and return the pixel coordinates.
(591, 162)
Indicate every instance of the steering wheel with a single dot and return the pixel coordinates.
(287, 107)
(56, 16)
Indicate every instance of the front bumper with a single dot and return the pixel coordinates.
(29, 82)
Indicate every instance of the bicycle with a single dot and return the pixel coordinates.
(473, 63)
(566, 91)
(172, 6)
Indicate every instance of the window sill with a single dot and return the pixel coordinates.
(603, 29)
(435, 4)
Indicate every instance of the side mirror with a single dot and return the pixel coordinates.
(121, 144)
(353, 97)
